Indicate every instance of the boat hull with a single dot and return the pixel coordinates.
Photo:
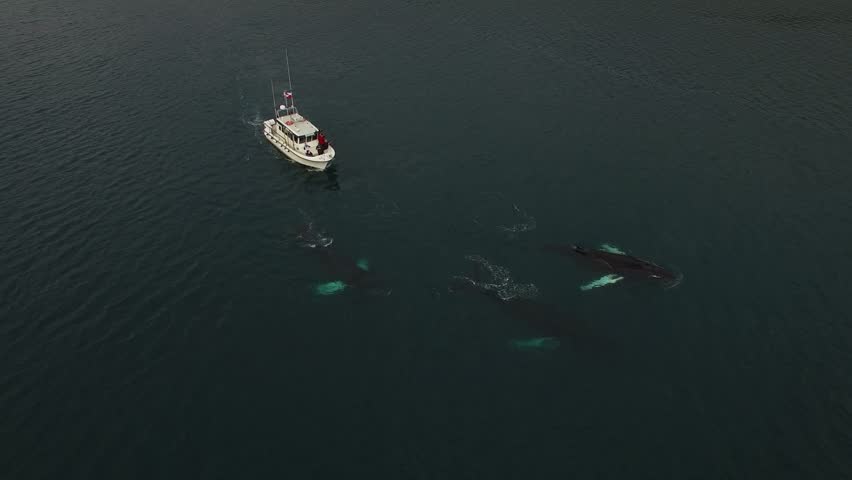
(315, 162)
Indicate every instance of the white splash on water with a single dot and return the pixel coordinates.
(527, 222)
(501, 282)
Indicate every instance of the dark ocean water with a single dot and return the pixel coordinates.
(157, 318)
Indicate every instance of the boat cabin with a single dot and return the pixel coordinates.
(302, 136)
(296, 128)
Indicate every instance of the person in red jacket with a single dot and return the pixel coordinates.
(320, 142)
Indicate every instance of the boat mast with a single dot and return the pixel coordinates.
(289, 80)
(274, 108)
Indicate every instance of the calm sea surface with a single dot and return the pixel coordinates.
(159, 319)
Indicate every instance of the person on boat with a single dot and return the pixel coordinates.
(320, 142)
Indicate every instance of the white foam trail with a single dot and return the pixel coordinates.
(255, 121)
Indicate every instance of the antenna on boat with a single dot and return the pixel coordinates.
(289, 80)
(274, 109)
(287, 58)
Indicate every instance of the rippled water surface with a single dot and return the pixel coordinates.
(159, 310)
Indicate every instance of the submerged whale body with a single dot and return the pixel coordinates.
(342, 273)
(617, 262)
(348, 272)
(544, 319)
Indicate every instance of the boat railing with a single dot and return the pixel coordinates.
(288, 111)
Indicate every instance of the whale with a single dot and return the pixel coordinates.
(546, 321)
(616, 264)
(347, 273)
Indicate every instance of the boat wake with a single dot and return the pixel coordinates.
(255, 121)
(256, 124)
(500, 281)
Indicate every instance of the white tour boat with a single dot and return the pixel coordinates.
(296, 137)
